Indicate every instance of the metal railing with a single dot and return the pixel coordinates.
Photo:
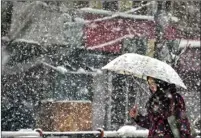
(100, 133)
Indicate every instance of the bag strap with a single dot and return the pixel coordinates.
(172, 119)
(173, 126)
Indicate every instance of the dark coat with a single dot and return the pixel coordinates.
(160, 106)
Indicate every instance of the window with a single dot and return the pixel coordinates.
(135, 45)
(125, 5)
(137, 4)
(81, 4)
(73, 87)
(111, 6)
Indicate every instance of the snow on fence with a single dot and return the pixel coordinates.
(17, 134)
(100, 133)
(79, 134)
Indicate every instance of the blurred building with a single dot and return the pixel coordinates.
(83, 40)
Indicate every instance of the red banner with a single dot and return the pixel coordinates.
(107, 35)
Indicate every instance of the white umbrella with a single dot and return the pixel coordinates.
(143, 66)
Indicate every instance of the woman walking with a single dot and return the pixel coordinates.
(166, 112)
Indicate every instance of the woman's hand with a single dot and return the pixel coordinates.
(133, 112)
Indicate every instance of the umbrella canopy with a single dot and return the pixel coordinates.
(142, 66)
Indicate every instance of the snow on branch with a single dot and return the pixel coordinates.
(110, 42)
(125, 14)
(97, 11)
(117, 14)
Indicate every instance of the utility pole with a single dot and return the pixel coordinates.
(162, 21)
(159, 30)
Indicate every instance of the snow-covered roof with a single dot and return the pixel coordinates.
(39, 23)
(192, 43)
(63, 70)
(27, 41)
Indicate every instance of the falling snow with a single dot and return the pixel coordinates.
(53, 54)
